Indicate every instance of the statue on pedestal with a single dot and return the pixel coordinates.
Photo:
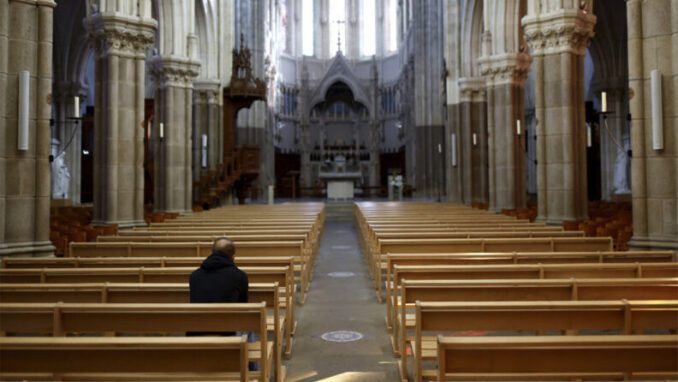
(621, 172)
(61, 177)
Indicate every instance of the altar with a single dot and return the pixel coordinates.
(340, 179)
(339, 189)
(340, 185)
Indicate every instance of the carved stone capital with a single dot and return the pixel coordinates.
(472, 89)
(510, 68)
(207, 91)
(65, 90)
(120, 35)
(174, 71)
(566, 30)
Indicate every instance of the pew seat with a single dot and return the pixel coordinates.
(559, 358)
(536, 317)
(130, 357)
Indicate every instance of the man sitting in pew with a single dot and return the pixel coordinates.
(218, 280)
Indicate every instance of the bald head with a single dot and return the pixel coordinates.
(224, 246)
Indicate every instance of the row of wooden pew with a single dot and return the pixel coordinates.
(117, 309)
(471, 295)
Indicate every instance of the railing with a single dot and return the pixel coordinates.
(213, 184)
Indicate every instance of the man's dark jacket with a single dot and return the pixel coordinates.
(218, 280)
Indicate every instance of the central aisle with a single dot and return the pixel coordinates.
(344, 303)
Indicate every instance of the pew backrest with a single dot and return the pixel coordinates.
(124, 355)
(548, 357)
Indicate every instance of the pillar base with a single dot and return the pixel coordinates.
(551, 221)
(650, 243)
(27, 249)
(121, 223)
(180, 212)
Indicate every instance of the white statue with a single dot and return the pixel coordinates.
(621, 172)
(60, 177)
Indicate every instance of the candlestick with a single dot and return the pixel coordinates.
(76, 107)
(518, 127)
(475, 139)
(162, 130)
(589, 138)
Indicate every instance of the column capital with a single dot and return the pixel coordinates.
(120, 34)
(506, 69)
(67, 89)
(173, 71)
(472, 89)
(613, 86)
(565, 30)
(207, 90)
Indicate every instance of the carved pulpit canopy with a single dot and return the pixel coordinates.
(243, 82)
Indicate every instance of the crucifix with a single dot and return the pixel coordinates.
(339, 22)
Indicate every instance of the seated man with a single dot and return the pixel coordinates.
(218, 280)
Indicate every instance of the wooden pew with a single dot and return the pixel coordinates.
(563, 244)
(524, 272)
(126, 262)
(557, 358)
(183, 237)
(280, 275)
(572, 289)
(155, 231)
(135, 293)
(626, 317)
(295, 249)
(497, 258)
(61, 319)
(132, 358)
(309, 247)
(375, 246)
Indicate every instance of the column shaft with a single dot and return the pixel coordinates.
(26, 31)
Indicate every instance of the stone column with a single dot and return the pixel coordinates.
(208, 120)
(26, 35)
(373, 147)
(429, 77)
(558, 39)
(353, 29)
(653, 38)
(472, 174)
(174, 104)
(321, 26)
(506, 75)
(120, 69)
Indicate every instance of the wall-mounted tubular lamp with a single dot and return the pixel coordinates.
(24, 109)
(203, 144)
(657, 110)
(453, 145)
